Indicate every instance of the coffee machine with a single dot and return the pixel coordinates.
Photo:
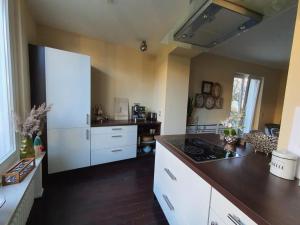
(138, 112)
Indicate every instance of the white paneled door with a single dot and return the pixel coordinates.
(68, 88)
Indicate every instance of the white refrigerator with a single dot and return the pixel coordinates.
(68, 88)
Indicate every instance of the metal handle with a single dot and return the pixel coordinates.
(116, 128)
(87, 119)
(213, 223)
(87, 134)
(170, 174)
(235, 219)
(117, 150)
(171, 207)
(116, 136)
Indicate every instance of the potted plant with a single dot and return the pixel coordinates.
(232, 127)
(30, 127)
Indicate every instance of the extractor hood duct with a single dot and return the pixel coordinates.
(215, 22)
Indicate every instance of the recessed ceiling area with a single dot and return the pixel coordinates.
(128, 22)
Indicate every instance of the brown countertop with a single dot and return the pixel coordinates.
(247, 183)
(107, 123)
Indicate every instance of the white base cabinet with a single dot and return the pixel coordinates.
(183, 195)
(187, 199)
(109, 144)
(228, 212)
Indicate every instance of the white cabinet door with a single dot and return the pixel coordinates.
(68, 149)
(227, 211)
(183, 195)
(214, 219)
(68, 82)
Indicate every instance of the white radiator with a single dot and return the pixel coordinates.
(21, 214)
(33, 191)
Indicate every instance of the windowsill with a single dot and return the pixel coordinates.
(14, 194)
(10, 160)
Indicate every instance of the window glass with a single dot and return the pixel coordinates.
(7, 136)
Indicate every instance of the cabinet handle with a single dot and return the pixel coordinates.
(171, 207)
(170, 174)
(87, 134)
(116, 136)
(87, 119)
(116, 128)
(235, 219)
(117, 150)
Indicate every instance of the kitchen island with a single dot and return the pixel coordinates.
(245, 182)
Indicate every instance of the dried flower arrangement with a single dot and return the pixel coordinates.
(33, 123)
(31, 126)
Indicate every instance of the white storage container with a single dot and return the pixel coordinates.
(284, 164)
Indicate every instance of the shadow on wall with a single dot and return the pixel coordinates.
(101, 90)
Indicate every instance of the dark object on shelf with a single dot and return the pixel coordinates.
(138, 113)
(151, 116)
(18, 172)
(207, 87)
(146, 141)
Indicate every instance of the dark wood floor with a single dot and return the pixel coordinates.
(112, 194)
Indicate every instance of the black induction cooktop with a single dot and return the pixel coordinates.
(200, 151)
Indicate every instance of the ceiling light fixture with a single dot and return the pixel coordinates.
(143, 46)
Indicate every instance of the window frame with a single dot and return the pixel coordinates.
(8, 78)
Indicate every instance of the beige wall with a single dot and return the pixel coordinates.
(176, 94)
(160, 84)
(221, 69)
(292, 96)
(117, 71)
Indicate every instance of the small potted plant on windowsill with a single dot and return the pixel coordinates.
(30, 127)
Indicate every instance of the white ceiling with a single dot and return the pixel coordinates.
(127, 22)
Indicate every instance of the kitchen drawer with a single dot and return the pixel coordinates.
(185, 189)
(100, 141)
(228, 212)
(163, 188)
(114, 129)
(214, 219)
(105, 155)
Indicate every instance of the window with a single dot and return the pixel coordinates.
(7, 134)
(245, 94)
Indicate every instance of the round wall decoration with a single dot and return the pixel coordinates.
(216, 90)
(199, 101)
(209, 102)
(219, 103)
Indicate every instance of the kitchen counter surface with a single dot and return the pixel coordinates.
(107, 123)
(246, 182)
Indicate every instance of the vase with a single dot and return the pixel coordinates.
(38, 146)
(26, 149)
(231, 142)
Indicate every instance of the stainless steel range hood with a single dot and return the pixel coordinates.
(215, 22)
